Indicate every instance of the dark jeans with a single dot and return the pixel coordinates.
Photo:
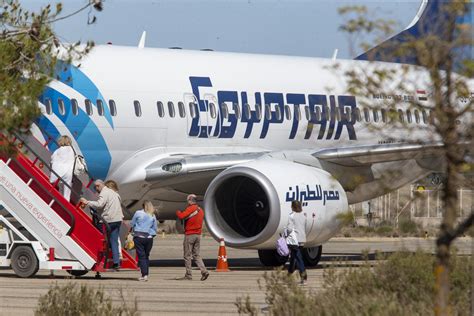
(143, 247)
(114, 241)
(296, 258)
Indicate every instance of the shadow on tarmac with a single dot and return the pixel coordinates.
(253, 264)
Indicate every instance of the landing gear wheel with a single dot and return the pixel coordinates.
(24, 262)
(311, 256)
(271, 258)
(77, 273)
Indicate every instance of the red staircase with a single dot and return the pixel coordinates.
(82, 230)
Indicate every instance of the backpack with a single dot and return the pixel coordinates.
(80, 166)
(282, 247)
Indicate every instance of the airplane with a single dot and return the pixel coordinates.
(247, 133)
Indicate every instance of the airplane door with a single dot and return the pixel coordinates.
(213, 115)
(192, 106)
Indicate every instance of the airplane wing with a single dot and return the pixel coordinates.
(173, 177)
(367, 155)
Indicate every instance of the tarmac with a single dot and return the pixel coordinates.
(163, 295)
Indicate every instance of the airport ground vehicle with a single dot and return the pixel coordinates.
(39, 228)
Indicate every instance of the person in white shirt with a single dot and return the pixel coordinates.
(297, 224)
(62, 165)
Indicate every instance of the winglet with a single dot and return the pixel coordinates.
(334, 55)
(141, 44)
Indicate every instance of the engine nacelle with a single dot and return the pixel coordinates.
(248, 204)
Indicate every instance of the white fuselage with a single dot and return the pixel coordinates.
(120, 145)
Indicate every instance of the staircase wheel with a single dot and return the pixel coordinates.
(24, 262)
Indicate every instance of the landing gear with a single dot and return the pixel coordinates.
(311, 256)
(271, 258)
(24, 262)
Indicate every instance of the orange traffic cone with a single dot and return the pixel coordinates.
(222, 265)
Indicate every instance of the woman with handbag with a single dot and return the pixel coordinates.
(296, 237)
(144, 228)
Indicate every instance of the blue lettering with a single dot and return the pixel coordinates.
(270, 99)
(196, 129)
(232, 98)
(296, 100)
(346, 101)
(252, 116)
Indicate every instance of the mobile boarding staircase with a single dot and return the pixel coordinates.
(39, 228)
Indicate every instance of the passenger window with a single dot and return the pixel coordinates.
(425, 117)
(317, 111)
(247, 111)
(212, 110)
(306, 112)
(258, 110)
(417, 117)
(181, 109)
(327, 115)
(401, 117)
(49, 106)
(376, 115)
(100, 107)
(278, 113)
(347, 113)
(409, 119)
(224, 111)
(268, 112)
(160, 108)
(297, 112)
(192, 109)
(113, 108)
(62, 109)
(237, 110)
(392, 115)
(138, 110)
(287, 112)
(358, 117)
(367, 115)
(171, 109)
(74, 107)
(89, 109)
(384, 115)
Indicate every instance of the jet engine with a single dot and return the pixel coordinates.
(248, 204)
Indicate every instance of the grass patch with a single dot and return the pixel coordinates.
(403, 284)
(72, 300)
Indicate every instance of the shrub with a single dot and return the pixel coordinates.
(408, 227)
(403, 284)
(384, 230)
(70, 300)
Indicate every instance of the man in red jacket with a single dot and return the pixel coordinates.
(193, 216)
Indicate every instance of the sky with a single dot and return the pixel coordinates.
(285, 27)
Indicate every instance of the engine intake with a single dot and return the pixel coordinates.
(248, 204)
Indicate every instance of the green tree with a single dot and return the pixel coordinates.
(29, 50)
(444, 54)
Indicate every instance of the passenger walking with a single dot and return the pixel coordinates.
(296, 229)
(62, 165)
(193, 217)
(144, 228)
(109, 203)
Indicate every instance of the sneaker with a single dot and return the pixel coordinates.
(184, 278)
(303, 282)
(116, 267)
(204, 276)
(143, 278)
